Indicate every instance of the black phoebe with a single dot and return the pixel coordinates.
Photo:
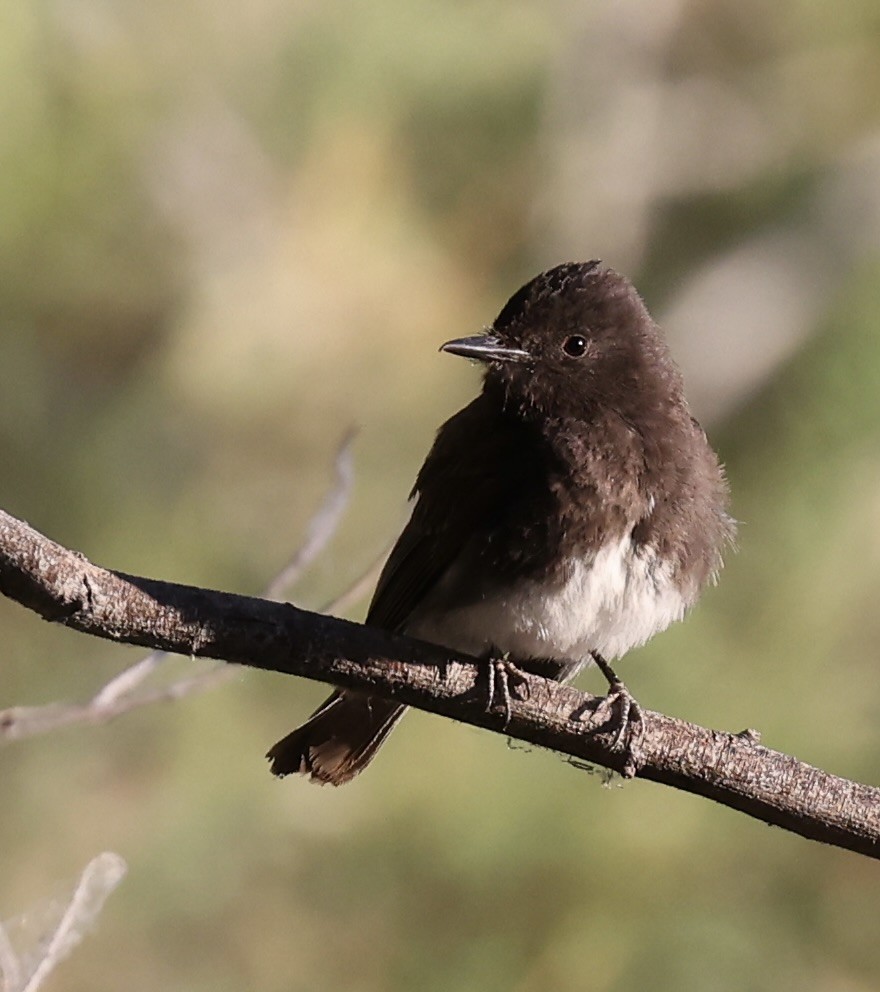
(569, 513)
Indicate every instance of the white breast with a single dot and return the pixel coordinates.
(610, 603)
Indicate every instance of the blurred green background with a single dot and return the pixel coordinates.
(231, 232)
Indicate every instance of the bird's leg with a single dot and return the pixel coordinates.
(631, 721)
(502, 672)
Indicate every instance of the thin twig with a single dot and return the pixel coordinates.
(120, 696)
(19, 722)
(98, 880)
(128, 680)
(359, 588)
(323, 524)
(10, 966)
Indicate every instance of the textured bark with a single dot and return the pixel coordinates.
(733, 769)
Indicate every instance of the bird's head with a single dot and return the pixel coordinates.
(573, 338)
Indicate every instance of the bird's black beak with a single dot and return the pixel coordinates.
(485, 348)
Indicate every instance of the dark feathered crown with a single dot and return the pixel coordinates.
(550, 283)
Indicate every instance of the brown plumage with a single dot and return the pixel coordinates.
(575, 506)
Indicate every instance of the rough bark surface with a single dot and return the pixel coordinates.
(733, 769)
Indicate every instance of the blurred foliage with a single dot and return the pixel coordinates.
(230, 233)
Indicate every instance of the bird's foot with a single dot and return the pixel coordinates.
(503, 675)
(629, 718)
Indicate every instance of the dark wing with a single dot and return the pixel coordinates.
(462, 494)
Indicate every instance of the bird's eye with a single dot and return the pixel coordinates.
(575, 346)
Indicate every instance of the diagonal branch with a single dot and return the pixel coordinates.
(324, 523)
(122, 693)
(62, 586)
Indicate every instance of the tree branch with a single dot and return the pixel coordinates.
(63, 587)
(123, 693)
(324, 523)
(32, 945)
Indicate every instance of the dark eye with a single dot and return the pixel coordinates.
(574, 346)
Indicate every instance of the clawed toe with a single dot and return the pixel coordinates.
(628, 716)
(502, 675)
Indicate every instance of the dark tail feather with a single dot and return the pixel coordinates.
(338, 740)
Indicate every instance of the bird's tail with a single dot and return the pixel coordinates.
(338, 740)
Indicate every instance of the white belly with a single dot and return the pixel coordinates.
(610, 603)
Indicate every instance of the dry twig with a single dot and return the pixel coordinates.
(47, 934)
(123, 693)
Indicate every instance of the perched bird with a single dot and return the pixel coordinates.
(570, 512)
